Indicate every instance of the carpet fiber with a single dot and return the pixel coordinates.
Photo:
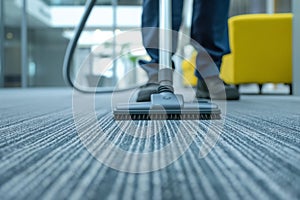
(42, 155)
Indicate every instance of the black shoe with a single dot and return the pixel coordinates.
(151, 87)
(146, 90)
(218, 90)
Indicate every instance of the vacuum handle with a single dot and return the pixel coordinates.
(165, 42)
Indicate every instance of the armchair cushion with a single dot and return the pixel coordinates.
(261, 49)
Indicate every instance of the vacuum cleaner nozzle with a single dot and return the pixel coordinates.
(167, 106)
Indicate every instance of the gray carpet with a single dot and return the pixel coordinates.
(257, 155)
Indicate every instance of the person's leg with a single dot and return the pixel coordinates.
(150, 23)
(210, 30)
(150, 35)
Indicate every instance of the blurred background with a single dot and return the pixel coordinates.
(35, 34)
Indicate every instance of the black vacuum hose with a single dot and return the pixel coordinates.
(73, 43)
(71, 49)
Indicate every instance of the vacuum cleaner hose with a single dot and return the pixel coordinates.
(73, 43)
(71, 49)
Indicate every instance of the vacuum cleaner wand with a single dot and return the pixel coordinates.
(165, 75)
(165, 105)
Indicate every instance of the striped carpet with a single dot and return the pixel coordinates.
(43, 155)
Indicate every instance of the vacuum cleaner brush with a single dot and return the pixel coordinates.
(167, 106)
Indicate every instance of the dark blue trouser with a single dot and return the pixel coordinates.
(209, 29)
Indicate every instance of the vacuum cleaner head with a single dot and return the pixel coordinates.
(167, 106)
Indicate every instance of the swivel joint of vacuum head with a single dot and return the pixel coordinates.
(165, 77)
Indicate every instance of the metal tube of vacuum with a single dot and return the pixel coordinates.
(165, 43)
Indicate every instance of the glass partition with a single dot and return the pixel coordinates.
(109, 64)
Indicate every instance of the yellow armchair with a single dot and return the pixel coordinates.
(261, 49)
